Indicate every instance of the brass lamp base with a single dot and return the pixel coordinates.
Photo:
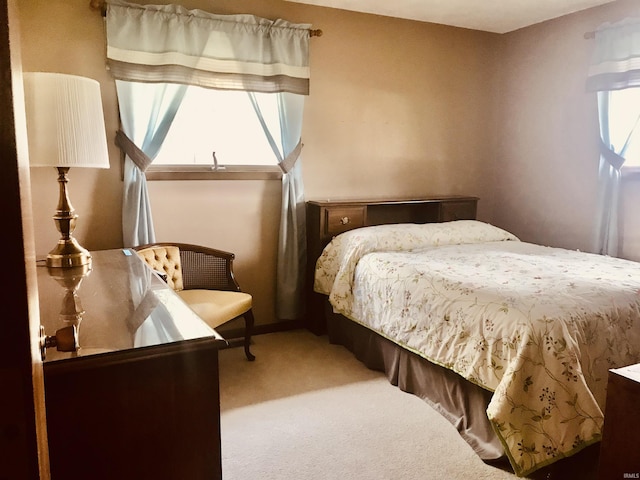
(68, 253)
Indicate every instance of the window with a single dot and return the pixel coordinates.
(218, 131)
(624, 125)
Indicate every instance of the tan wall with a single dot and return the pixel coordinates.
(396, 108)
(547, 137)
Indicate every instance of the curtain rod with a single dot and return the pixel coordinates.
(102, 7)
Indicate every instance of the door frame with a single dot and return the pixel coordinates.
(23, 436)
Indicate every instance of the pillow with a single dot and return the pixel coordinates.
(409, 236)
(341, 255)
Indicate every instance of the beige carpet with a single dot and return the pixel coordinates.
(307, 410)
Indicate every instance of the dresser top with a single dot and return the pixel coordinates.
(632, 372)
(118, 305)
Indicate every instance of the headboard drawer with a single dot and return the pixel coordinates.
(341, 219)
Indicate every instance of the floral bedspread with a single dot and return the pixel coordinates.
(538, 326)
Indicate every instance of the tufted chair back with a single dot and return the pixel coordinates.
(165, 259)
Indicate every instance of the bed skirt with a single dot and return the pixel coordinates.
(462, 403)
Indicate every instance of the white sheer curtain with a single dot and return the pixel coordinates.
(292, 243)
(617, 133)
(615, 65)
(146, 113)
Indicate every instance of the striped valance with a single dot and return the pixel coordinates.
(616, 58)
(168, 43)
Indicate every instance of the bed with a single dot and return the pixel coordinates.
(511, 341)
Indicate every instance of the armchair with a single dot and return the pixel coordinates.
(203, 277)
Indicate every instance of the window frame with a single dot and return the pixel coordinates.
(208, 172)
(631, 173)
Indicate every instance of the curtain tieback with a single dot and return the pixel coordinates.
(289, 162)
(130, 149)
(615, 160)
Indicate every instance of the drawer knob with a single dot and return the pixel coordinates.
(345, 220)
(65, 340)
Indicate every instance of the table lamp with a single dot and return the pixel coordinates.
(65, 128)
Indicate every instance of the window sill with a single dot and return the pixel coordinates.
(630, 173)
(204, 172)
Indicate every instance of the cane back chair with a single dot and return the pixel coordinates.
(203, 277)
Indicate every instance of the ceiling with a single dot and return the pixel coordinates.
(498, 16)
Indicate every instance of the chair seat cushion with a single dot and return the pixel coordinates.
(216, 307)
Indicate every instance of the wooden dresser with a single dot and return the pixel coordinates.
(139, 398)
(328, 218)
(619, 449)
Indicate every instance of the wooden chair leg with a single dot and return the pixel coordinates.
(248, 322)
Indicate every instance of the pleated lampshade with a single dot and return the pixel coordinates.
(65, 121)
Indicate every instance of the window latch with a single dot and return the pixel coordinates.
(216, 167)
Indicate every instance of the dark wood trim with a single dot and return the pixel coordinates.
(140, 354)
